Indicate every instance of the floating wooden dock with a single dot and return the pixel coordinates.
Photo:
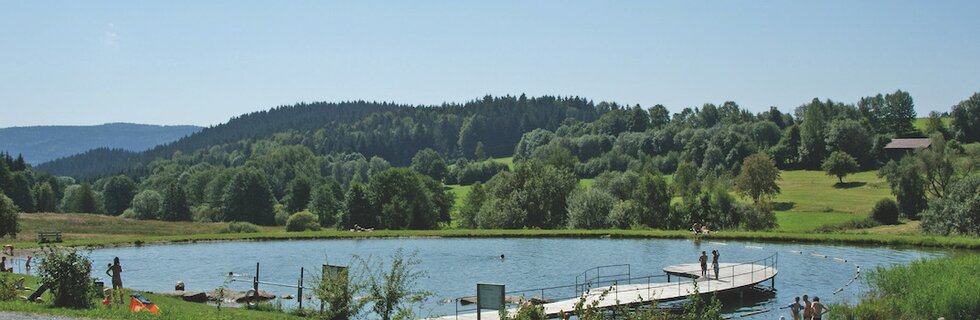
(731, 277)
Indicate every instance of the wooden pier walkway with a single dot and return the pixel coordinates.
(731, 276)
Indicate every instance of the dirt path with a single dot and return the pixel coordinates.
(30, 316)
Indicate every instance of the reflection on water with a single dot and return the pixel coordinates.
(454, 266)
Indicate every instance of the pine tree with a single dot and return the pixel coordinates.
(299, 195)
(249, 198)
(175, 204)
(22, 195)
(359, 210)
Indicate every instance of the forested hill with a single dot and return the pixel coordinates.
(39, 144)
(393, 132)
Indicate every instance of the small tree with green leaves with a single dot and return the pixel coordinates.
(840, 164)
(337, 290)
(393, 291)
(8, 217)
(66, 273)
(699, 309)
(758, 177)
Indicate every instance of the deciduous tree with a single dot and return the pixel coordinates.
(840, 164)
(117, 194)
(758, 177)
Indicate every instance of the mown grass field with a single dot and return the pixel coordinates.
(810, 199)
(920, 123)
(170, 308)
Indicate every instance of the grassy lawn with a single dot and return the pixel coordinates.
(175, 232)
(920, 123)
(815, 191)
(810, 199)
(509, 161)
(170, 308)
(101, 227)
(796, 221)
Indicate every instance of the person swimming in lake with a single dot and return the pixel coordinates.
(115, 270)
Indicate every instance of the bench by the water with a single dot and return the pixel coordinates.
(627, 292)
(48, 236)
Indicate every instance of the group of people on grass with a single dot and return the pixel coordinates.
(807, 310)
(697, 228)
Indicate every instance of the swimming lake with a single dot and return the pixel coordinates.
(453, 266)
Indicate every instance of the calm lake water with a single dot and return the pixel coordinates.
(454, 266)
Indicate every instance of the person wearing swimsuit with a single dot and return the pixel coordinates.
(704, 264)
(794, 309)
(818, 309)
(807, 308)
(714, 262)
(115, 271)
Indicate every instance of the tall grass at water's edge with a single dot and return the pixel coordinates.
(927, 289)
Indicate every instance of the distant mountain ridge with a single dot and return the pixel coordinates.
(41, 144)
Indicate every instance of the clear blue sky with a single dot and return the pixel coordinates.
(201, 62)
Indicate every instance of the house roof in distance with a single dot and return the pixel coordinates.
(913, 143)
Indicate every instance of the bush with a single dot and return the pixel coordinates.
(759, 217)
(206, 213)
(240, 227)
(302, 221)
(472, 172)
(147, 205)
(501, 214)
(8, 217)
(281, 215)
(8, 291)
(66, 273)
(958, 212)
(624, 214)
(589, 208)
(885, 212)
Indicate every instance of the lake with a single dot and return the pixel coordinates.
(454, 266)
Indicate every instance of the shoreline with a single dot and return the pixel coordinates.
(919, 241)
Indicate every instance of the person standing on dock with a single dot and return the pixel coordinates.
(704, 264)
(714, 262)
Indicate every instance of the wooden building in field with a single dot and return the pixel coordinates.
(898, 148)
